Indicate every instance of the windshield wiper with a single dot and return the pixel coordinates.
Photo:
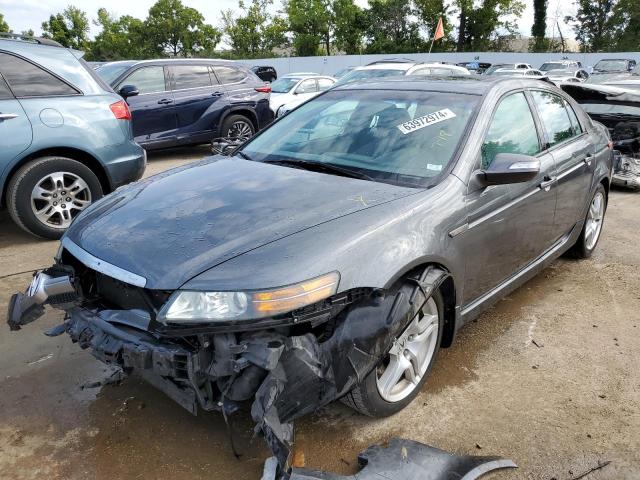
(321, 166)
(244, 155)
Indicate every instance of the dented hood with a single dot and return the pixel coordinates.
(173, 226)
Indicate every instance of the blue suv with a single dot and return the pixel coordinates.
(189, 101)
(65, 135)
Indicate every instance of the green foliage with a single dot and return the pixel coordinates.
(255, 33)
(626, 26)
(430, 11)
(594, 24)
(177, 30)
(480, 22)
(4, 26)
(120, 38)
(70, 28)
(310, 24)
(391, 28)
(349, 23)
(538, 30)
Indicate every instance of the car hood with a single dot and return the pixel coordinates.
(173, 226)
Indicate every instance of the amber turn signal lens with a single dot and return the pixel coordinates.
(290, 298)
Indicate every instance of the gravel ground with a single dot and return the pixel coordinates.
(549, 377)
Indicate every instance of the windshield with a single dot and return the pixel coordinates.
(370, 73)
(391, 136)
(545, 67)
(610, 66)
(284, 84)
(109, 72)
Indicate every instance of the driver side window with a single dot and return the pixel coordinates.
(512, 130)
(307, 86)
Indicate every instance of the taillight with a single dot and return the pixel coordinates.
(265, 89)
(610, 145)
(121, 110)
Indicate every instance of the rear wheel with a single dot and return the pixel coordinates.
(592, 228)
(403, 371)
(44, 196)
(237, 127)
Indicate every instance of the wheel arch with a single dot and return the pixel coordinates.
(72, 153)
(447, 289)
(240, 110)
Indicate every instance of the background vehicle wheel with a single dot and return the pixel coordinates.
(588, 239)
(237, 127)
(45, 195)
(400, 376)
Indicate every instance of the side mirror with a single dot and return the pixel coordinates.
(128, 91)
(509, 168)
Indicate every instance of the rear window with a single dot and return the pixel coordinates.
(229, 74)
(554, 116)
(399, 137)
(28, 80)
(190, 76)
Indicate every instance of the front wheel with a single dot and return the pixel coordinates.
(396, 381)
(592, 228)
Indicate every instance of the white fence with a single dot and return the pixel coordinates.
(331, 64)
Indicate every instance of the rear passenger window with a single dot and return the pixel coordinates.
(4, 90)
(554, 117)
(28, 80)
(577, 129)
(229, 74)
(146, 80)
(190, 76)
(324, 84)
(512, 130)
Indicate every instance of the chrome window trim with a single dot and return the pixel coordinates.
(101, 266)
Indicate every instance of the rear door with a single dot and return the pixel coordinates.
(152, 110)
(199, 101)
(15, 127)
(570, 145)
(509, 226)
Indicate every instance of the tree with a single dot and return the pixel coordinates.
(120, 38)
(592, 24)
(391, 27)
(625, 24)
(349, 23)
(4, 26)
(70, 28)
(177, 30)
(309, 22)
(430, 11)
(539, 27)
(481, 24)
(256, 33)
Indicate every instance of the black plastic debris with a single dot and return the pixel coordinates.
(408, 460)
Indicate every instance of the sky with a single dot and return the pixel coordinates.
(25, 14)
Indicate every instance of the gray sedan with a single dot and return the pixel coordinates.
(337, 251)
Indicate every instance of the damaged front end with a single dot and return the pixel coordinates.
(281, 366)
(618, 110)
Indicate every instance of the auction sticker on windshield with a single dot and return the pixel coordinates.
(426, 120)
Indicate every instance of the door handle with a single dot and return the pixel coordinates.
(588, 159)
(547, 182)
(7, 116)
(216, 94)
(165, 101)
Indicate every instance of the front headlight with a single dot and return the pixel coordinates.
(186, 306)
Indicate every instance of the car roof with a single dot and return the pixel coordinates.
(169, 61)
(469, 84)
(388, 66)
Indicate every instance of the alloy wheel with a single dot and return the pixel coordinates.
(593, 225)
(58, 197)
(240, 130)
(410, 355)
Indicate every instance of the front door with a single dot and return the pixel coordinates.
(152, 110)
(15, 127)
(508, 225)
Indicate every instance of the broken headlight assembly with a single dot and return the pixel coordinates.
(188, 306)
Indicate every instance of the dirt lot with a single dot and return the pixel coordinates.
(550, 378)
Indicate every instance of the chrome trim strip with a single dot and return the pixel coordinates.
(498, 211)
(571, 169)
(478, 301)
(459, 230)
(101, 266)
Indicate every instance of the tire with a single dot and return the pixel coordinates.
(54, 175)
(237, 127)
(367, 398)
(587, 243)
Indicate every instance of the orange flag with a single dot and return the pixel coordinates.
(439, 30)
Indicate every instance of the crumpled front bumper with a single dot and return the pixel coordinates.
(626, 171)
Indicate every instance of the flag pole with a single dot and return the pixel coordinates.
(432, 40)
